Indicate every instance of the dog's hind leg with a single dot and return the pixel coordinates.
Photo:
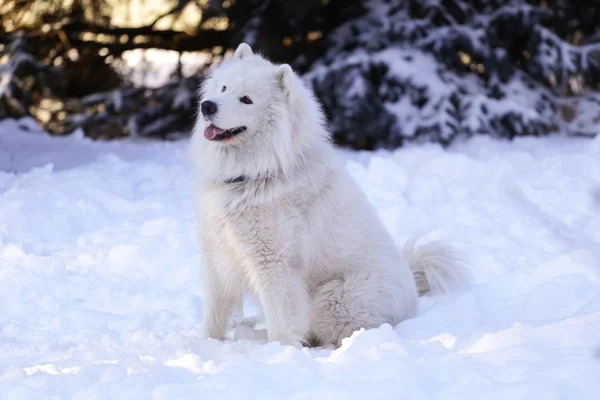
(361, 300)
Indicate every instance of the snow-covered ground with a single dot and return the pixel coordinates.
(100, 294)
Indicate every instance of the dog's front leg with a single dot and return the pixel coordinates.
(285, 302)
(218, 302)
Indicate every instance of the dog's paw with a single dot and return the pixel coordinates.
(250, 321)
(299, 345)
(245, 332)
(210, 333)
(288, 339)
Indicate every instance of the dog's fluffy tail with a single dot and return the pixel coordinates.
(437, 266)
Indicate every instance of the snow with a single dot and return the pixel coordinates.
(100, 292)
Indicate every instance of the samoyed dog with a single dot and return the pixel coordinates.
(280, 218)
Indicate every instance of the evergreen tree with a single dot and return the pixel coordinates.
(439, 69)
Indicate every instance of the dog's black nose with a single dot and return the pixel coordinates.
(208, 107)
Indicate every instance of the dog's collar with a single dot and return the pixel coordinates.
(244, 178)
(241, 178)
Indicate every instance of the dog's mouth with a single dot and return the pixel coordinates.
(214, 133)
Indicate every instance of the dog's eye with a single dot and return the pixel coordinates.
(246, 100)
(224, 88)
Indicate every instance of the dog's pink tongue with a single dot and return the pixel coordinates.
(212, 132)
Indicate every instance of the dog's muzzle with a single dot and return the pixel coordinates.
(208, 107)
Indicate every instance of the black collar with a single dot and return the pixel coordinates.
(238, 179)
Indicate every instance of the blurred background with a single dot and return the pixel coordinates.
(386, 72)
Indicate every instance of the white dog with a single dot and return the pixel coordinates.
(279, 216)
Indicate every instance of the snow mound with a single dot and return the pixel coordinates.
(100, 291)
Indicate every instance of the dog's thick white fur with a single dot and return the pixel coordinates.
(280, 218)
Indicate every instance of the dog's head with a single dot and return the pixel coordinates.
(254, 117)
(241, 95)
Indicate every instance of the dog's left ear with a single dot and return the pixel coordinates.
(243, 51)
(284, 76)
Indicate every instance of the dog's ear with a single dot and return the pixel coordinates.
(243, 51)
(284, 77)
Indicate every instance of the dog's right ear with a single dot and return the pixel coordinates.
(284, 76)
(243, 51)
